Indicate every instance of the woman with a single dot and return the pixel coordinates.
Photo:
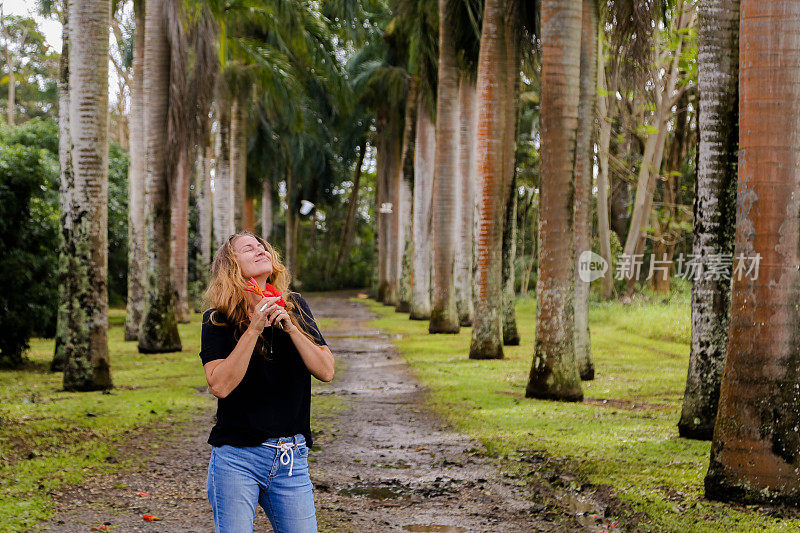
(258, 357)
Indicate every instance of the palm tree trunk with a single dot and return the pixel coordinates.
(249, 214)
(583, 184)
(136, 181)
(266, 209)
(509, 318)
(382, 193)
(203, 196)
(179, 258)
(238, 161)
(444, 314)
(466, 172)
(510, 332)
(605, 116)
(66, 186)
(394, 170)
(349, 221)
(223, 186)
(86, 364)
(755, 454)
(406, 198)
(554, 374)
(487, 337)
(159, 328)
(424, 154)
(714, 211)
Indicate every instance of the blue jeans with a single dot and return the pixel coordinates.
(241, 477)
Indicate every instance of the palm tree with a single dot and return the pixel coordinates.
(424, 154)
(444, 314)
(755, 453)
(554, 374)
(85, 346)
(159, 329)
(466, 172)
(223, 185)
(136, 184)
(583, 183)
(714, 212)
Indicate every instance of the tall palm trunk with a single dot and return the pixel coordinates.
(159, 329)
(444, 314)
(554, 374)
(394, 188)
(223, 185)
(755, 453)
(406, 198)
(238, 161)
(466, 214)
(266, 208)
(606, 106)
(509, 317)
(66, 187)
(136, 183)
(583, 184)
(487, 337)
(86, 365)
(424, 154)
(714, 211)
(203, 198)
(289, 224)
(352, 204)
(179, 258)
(382, 193)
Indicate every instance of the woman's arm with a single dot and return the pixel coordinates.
(318, 359)
(224, 375)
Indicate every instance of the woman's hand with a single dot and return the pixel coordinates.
(277, 314)
(259, 318)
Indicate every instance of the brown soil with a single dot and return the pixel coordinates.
(389, 464)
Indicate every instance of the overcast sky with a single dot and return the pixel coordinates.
(50, 27)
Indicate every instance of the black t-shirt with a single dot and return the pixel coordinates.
(274, 397)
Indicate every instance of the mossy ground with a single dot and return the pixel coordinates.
(624, 434)
(50, 438)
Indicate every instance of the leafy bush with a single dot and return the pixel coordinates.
(29, 240)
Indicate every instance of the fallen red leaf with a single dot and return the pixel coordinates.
(143, 493)
(149, 518)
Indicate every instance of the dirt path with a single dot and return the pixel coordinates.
(388, 464)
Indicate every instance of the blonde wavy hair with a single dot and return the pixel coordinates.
(227, 296)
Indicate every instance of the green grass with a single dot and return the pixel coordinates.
(50, 438)
(630, 442)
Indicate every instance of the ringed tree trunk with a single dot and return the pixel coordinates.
(266, 209)
(223, 185)
(444, 314)
(136, 183)
(606, 104)
(159, 328)
(466, 213)
(583, 184)
(755, 454)
(290, 225)
(424, 153)
(66, 189)
(382, 193)
(86, 365)
(714, 211)
(179, 258)
(406, 198)
(394, 186)
(554, 373)
(509, 318)
(487, 336)
(203, 195)
(238, 161)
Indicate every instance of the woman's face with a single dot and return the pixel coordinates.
(254, 260)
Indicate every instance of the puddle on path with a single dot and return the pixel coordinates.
(433, 527)
(376, 492)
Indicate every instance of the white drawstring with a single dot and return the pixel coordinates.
(287, 453)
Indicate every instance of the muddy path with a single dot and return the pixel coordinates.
(387, 464)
